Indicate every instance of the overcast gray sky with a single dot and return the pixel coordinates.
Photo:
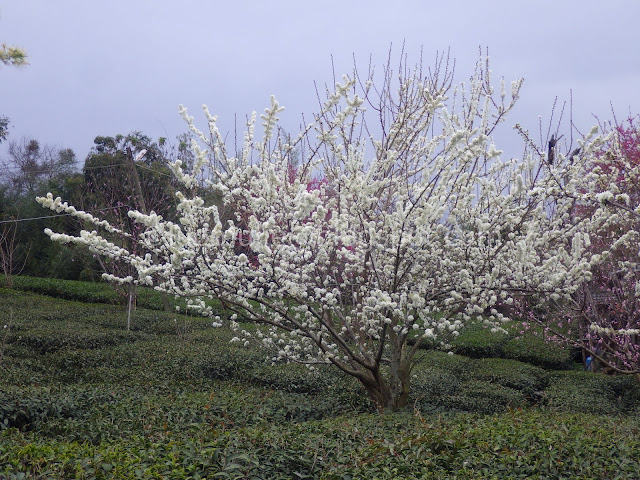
(109, 67)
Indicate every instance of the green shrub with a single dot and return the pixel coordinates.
(229, 362)
(431, 389)
(583, 392)
(445, 361)
(44, 342)
(533, 349)
(476, 341)
(520, 376)
(518, 444)
(482, 385)
(98, 292)
(29, 409)
(88, 292)
(627, 391)
(454, 382)
(81, 398)
(484, 397)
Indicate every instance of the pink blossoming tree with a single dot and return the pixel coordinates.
(603, 316)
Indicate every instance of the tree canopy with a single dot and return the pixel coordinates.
(419, 226)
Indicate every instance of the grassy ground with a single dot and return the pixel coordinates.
(82, 398)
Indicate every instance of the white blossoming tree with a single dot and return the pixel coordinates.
(418, 227)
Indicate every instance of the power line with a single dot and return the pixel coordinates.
(50, 170)
(59, 215)
(91, 167)
(155, 171)
(34, 218)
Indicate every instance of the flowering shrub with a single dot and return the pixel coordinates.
(418, 226)
(605, 313)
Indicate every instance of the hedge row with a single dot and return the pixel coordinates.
(82, 398)
(475, 341)
(91, 292)
(441, 383)
(519, 444)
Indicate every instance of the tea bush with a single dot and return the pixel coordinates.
(627, 392)
(82, 398)
(24, 411)
(87, 292)
(516, 444)
(42, 341)
(458, 365)
(583, 392)
(534, 349)
(524, 377)
(485, 397)
(476, 341)
(94, 292)
(481, 386)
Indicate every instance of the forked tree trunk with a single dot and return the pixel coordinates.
(377, 389)
(387, 394)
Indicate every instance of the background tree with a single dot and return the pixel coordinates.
(110, 187)
(419, 227)
(4, 128)
(9, 248)
(603, 317)
(30, 169)
(30, 165)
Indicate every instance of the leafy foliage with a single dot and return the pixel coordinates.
(97, 292)
(13, 56)
(4, 128)
(529, 346)
(176, 399)
(31, 168)
(520, 444)
(535, 349)
(476, 341)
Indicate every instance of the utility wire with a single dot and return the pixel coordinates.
(34, 218)
(59, 215)
(93, 167)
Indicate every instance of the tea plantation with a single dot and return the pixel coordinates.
(80, 397)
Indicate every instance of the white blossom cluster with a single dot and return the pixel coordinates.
(611, 331)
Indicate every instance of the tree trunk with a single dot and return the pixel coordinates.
(400, 371)
(129, 307)
(401, 393)
(165, 302)
(380, 396)
(384, 396)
